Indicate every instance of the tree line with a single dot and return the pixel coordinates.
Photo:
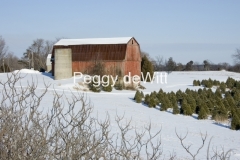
(34, 57)
(161, 64)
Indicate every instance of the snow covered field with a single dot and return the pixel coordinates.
(121, 103)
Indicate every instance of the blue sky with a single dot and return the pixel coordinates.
(185, 30)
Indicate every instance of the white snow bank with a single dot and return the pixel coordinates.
(26, 71)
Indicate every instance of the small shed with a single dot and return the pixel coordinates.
(119, 55)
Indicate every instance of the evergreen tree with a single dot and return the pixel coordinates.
(138, 97)
(179, 95)
(210, 106)
(226, 104)
(154, 94)
(235, 124)
(151, 102)
(202, 113)
(171, 65)
(194, 94)
(146, 67)
(210, 81)
(173, 98)
(94, 86)
(195, 83)
(107, 88)
(230, 82)
(160, 91)
(210, 94)
(142, 94)
(215, 82)
(236, 95)
(218, 93)
(203, 82)
(175, 108)
(219, 112)
(199, 83)
(237, 84)
(164, 106)
(189, 66)
(147, 99)
(160, 96)
(168, 102)
(119, 84)
(231, 101)
(136, 94)
(185, 108)
(188, 91)
(198, 104)
(222, 87)
(192, 103)
(200, 91)
(227, 94)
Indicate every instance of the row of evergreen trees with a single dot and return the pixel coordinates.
(209, 83)
(221, 105)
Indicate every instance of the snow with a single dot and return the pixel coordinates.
(26, 71)
(119, 40)
(121, 103)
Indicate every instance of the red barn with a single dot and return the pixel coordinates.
(119, 56)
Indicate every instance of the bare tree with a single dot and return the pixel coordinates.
(3, 51)
(8, 61)
(3, 48)
(12, 61)
(236, 56)
(223, 65)
(197, 66)
(37, 53)
(97, 66)
(159, 63)
(217, 154)
(145, 54)
(187, 147)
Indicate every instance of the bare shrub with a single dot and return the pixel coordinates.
(216, 154)
(65, 128)
(97, 67)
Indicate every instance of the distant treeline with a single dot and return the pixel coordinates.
(160, 64)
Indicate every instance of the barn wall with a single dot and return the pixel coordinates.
(133, 58)
(134, 67)
(111, 67)
(133, 51)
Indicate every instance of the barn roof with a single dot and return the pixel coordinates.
(119, 40)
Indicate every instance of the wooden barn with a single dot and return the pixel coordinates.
(119, 56)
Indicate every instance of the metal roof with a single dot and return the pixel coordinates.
(119, 40)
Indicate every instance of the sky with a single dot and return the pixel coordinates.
(185, 30)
